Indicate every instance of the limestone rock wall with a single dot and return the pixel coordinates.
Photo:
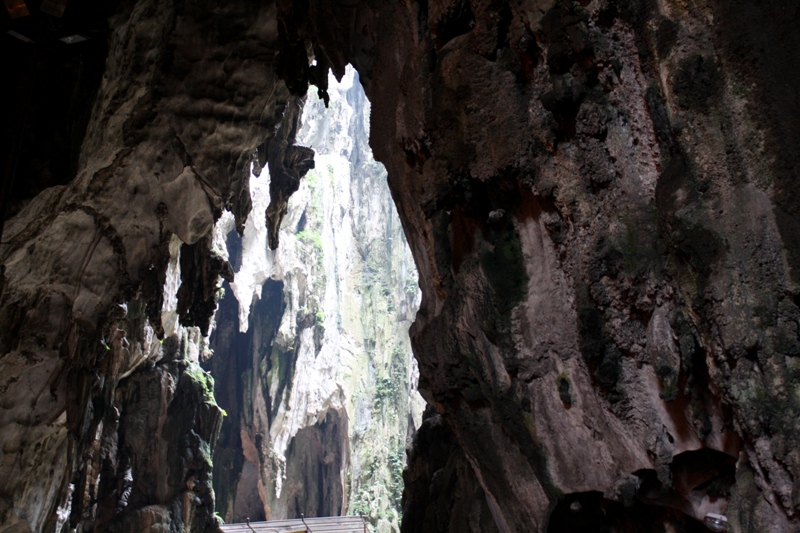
(322, 398)
(599, 197)
(601, 200)
(441, 491)
(107, 422)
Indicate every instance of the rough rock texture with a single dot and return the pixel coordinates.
(315, 369)
(441, 491)
(287, 165)
(601, 199)
(102, 425)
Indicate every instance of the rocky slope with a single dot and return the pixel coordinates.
(315, 366)
(601, 200)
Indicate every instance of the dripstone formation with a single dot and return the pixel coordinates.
(602, 201)
(312, 358)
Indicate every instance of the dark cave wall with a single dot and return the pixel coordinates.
(239, 361)
(49, 90)
(601, 200)
(598, 198)
(441, 491)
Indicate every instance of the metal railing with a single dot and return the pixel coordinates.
(327, 524)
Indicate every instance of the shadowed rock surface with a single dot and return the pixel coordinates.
(599, 235)
(601, 199)
(185, 99)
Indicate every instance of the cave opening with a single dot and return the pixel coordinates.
(312, 359)
(603, 203)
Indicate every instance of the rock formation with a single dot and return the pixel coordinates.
(312, 359)
(107, 420)
(601, 200)
(598, 203)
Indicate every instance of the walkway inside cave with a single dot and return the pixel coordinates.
(328, 524)
(312, 360)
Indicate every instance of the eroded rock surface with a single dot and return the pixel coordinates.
(315, 367)
(597, 202)
(441, 490)
(107, 421)
(601, 199)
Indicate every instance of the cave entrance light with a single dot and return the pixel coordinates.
(318, 337)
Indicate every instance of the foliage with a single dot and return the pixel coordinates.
(397, 462)
(411, 287)
(331, 177)
(198, 375)
(385, 389)
(311, 237)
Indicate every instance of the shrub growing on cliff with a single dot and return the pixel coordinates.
(311, 238)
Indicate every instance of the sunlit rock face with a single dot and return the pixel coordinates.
(314, 367)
